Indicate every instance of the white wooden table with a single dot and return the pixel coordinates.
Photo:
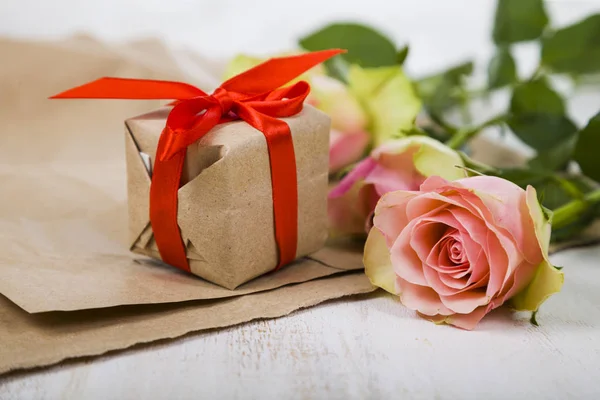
(367, 347)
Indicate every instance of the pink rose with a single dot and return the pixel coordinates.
(349, 138)
(400, 164)
(454, 251)
(346, 148)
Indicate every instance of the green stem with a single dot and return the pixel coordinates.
(462, 136)
(573, 210)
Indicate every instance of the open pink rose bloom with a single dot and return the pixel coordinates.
(454, 251)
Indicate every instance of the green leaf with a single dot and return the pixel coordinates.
(555, 158)
(443, 91)
(537, 116)
(574, 49)
(518, 21)
(502, 69)
(542, 131)
(456, 74)
(525, 176)
(587, 147)
(402, 54)
(337, 67)
(536, 96)
(366, 47)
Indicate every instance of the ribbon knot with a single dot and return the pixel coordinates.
(255, 96)
(224, 99)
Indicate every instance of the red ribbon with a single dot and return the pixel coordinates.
(254, 96)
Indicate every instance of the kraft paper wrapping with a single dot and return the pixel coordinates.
(226, 203)
(70, 286)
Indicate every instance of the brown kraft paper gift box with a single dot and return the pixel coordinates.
(225, 208)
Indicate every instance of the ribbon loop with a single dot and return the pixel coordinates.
(255, 96)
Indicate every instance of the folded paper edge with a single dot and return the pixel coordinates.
(135, 166)
(355, 278)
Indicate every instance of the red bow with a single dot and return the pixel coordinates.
(254, 96)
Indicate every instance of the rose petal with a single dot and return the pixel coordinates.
(346, 148)
(378, 266)
(424, 236)
(474, 237)
(480, 269)
(358, 173)
(468, 321)
(436, 319)
(406, 262)
(473, 203)
(457, 195)
(457, 284)
(390, 214)
(465, 302)
(502, 247)
(516, 282)
(435, 158)
(420, 298)
(347, 213)
(541, 223)
(335, 99)
(396, 166)
(508, 205)
(425, 203)
(389, 180)
(397, 154)
(389, 97)
(439, 259)
(434, 183)
(547, 281)
(433, 278)
(498, 263)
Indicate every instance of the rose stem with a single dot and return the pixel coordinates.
(571, 212)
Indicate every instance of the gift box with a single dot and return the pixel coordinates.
(231, 185)
(225, 207)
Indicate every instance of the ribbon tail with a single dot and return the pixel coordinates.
(276, 72)
(284, 180)
(163, 207)
(135, 89)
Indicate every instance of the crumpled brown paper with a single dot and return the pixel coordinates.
(33, 340)
(63, 218)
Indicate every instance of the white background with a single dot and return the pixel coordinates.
(439, 31)
(366, 348)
